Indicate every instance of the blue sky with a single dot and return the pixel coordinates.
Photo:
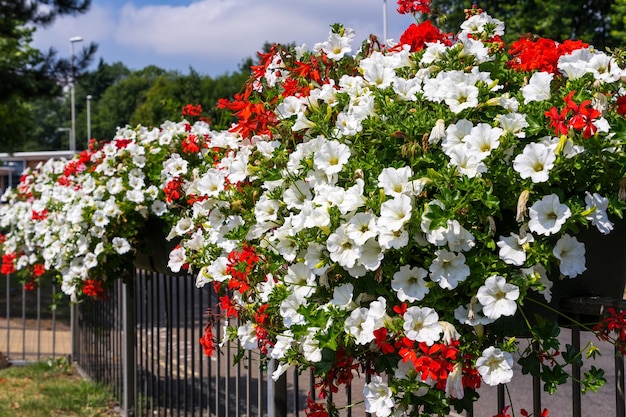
(211, 36)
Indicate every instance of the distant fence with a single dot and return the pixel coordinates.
(143, 341)
(33, 325)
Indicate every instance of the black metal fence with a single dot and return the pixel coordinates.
(34, 322)
(143, 342)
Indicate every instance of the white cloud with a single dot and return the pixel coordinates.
(97, 23)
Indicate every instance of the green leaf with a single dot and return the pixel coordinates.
(593, 380)
(572, 356)
(553, 377)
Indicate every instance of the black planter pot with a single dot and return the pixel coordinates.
(153, 249)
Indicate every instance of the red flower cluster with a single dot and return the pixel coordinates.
(263, 324)
(192, 144)
(208, 340)
(253, 118)
(541, 54)
(240, 265)
(39, 270)
(413, 6)
(574, 116)
(621, 105)
(315, 409)
(434, 362)
(192, 110)
(417, 35)
(8, 263)
(173, 190)
(613, 329)
(93, 288)
(39, 215)
(340, 373)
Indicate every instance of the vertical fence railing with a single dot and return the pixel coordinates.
(144, 342)
(35, 326)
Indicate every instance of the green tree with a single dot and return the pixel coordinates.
(26, 72)
(118, 103)
(589, 20)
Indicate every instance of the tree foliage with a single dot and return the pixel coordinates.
(598, 22)
(26, 72)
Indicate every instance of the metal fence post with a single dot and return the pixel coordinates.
(74, 333)
(129, 348)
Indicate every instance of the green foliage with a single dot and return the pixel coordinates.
(599, 22)
(28, 74)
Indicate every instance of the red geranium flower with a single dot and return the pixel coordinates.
(413, 6)
(417, 35)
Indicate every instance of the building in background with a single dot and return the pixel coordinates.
(13, 165)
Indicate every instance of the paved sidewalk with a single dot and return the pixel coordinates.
(32, 344)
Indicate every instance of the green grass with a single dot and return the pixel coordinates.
(51, 389)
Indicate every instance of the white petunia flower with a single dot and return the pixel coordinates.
(371, 255)
(177, 259)
(454, 382)
(571, 254)
(378, 397)
(495, 366)
(461, 97)
(498, 297)
(342, 249)
(331, 157)
(311, 346)
(548, 215)
(512, 249)
(120, 245)
(409, 283)
(467, 162)
(394, 180)
(535, 162)
(540, 270)
(448, 269)
(471, 314)
(284, 342)
(395, 213)
(422, 325)
(246, 334)
(598, 217)
(361, 227)
(483, 139)
(343, 297)
(538, 87)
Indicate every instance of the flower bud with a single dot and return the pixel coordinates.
(522, 210)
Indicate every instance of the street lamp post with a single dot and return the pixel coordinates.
(385, 21)
(88, 118)
(73, 40)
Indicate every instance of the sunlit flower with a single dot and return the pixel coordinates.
(495, 366)
(378, 397)
(548, 215)
(498, 297)
(422, 324)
